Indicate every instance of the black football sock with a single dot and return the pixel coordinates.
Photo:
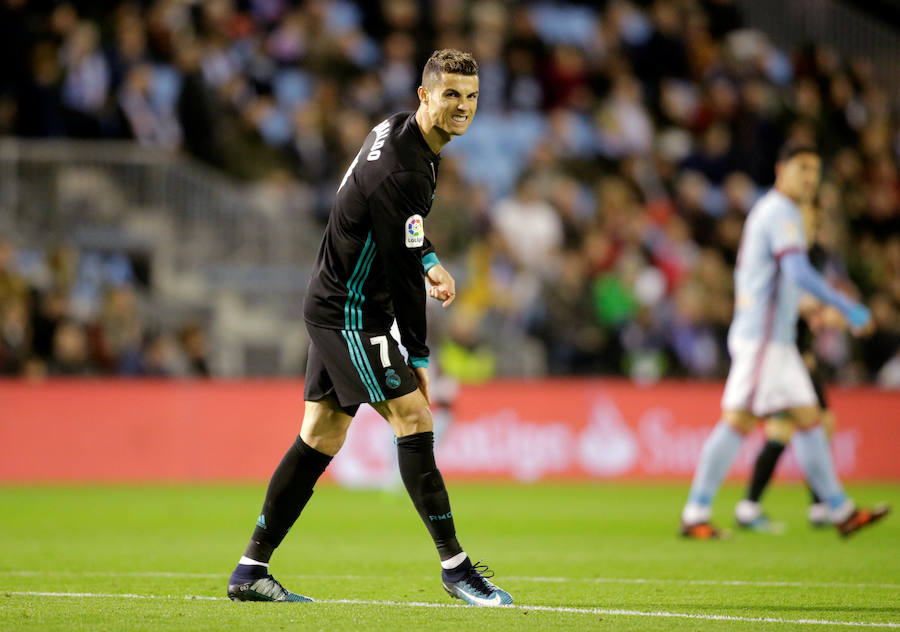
(423, 481)
(813, 495)
(289, 490)
(764, 468)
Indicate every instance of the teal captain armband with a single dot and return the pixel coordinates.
(418, 362)
(429, 261)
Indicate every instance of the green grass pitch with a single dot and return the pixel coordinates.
(575, 557)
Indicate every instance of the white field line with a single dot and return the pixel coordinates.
(425, 604)
(554, 580)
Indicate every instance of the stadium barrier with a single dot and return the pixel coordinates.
(100, 430)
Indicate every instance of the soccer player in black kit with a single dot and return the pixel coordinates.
(369, 270)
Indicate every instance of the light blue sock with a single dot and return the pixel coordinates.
(814, 456)
(716, 458)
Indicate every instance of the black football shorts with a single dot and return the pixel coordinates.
(355, 367)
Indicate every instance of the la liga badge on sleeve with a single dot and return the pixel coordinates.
(414, 231)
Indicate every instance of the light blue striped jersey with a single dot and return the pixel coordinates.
(765, 302)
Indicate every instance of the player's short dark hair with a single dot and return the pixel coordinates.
(448, 60)
(789, 150)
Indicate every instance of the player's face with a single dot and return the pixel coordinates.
(799, 177)
(452, 102)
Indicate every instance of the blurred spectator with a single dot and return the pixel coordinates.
(198, 108)
(884, 344)
(454, 220)
(39, 110)
(44, 332)
(464, 356)
(70, 351)
(528, 225)
(713, 157)
(662, 51)
(49, 311)
(161, 357)
(86, 82)
(12, 284)
(693, 339)
(150, 123)
(195, 346)
(567, 323)
(119, 332)
(14, 335)
(624, 126)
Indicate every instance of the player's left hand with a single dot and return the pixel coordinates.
(860, 320)
(443, 286)
(420, 373)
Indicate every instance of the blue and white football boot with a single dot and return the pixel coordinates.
(749, 515)
(469, 582)
(262, 587)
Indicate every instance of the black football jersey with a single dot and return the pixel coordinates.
(371, 263)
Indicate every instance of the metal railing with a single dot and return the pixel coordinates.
(239, 254)
(79, 190)
(793, 23)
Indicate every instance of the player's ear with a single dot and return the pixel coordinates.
(423, 94)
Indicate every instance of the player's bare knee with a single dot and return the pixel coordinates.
(322, 438)
(412, 421)
(324, 427)
(325, 441)
(805, 417)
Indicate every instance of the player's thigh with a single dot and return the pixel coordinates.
(829, 422)
(325, 425)
(784, 385)
(742, 421)
(740, 386)
(804, 416)
(408, 414)
(780, 429)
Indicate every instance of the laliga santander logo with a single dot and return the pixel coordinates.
(507, 443)
(607, 446)
(414, 227)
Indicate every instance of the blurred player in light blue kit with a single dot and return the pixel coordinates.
(814, 319)
(767, 375)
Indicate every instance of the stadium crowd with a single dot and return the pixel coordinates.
(592, 211)
(78, 314)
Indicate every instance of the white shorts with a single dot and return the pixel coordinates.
(766, 378)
